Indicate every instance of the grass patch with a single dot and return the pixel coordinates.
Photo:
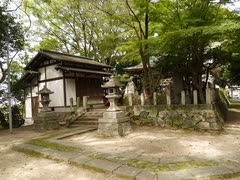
(41, 142)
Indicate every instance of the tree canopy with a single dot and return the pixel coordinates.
(11, 35)
(196, 37)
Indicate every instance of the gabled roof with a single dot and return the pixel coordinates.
(139, 67)
(64, 58)
(83, 70)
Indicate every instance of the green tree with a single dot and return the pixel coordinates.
(193, 34)
(72, 27)
(135, 22)
(11, 35)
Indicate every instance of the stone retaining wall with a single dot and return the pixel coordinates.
(196, 117)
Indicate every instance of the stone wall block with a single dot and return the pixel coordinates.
(203, 125)
(215, 126)
(212, 120)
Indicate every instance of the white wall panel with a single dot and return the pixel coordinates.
(70, 91)
(28, 107)
(52, 72)
(42, 75)
(34, 91)
(57, 98)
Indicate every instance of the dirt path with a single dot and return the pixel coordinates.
(234, 115)
(18, 166)
(145, 140)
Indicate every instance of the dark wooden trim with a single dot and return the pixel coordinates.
(45, 70)
(64, 90)
(52, 79)
(31, 100)
(75, 77)
(46, 65)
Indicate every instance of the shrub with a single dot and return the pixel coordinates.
(17, 117)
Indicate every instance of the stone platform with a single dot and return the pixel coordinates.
(114, 123)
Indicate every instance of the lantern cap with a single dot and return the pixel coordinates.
(113, 82)
(44, 90)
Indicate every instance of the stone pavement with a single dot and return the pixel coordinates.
(131, 165)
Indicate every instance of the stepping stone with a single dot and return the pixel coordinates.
(103, 165)
(146, 175)
(209, 171)
(175, 175)
(127, 171)
(80, 159)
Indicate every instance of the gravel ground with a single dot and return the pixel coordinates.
(18, 166)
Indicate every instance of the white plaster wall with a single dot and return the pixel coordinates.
(42, 75)
(70, 91)
(40, 85)
(34, 91)
(27, 92)
(28, 107)
(57, 98)
(51, 72)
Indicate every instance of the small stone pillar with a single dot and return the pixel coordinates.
(78, 102)
(168, 97)
(71, 104)
(85, 101)
(130, 99)
(183, 98)
(155, 98)
(195, 97)
(208, 95)
(114, 121)
(142, 99)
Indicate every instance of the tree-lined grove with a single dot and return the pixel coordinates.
(190, 37)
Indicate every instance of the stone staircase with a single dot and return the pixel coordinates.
(89, 119)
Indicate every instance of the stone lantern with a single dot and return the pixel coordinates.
(113, 93)
(45, 100)
(46, 119)
(114, 121)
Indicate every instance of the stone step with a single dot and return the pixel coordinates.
(84, 125)
(86, 122)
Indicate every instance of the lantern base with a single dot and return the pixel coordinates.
(114, 124)
(46, 121)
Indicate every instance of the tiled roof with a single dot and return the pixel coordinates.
(65, 58)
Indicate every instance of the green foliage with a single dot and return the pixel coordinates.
(12, 29)
(17, 116)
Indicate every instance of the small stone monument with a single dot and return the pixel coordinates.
(114, 121)
(46, 119)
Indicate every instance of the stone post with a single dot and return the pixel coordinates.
(78, 102)
(71, 104)
(142, 99)
(195, 97)
(85, 101)
(130, 99)
(154, 98)
(208, 96)
(168, 97)
(183, 98)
